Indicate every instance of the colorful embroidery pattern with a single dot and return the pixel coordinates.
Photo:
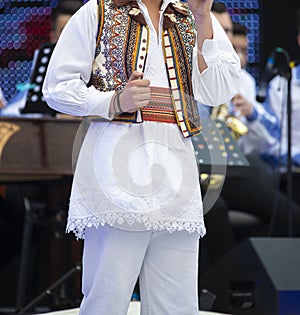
(160, 107)
(125, 34)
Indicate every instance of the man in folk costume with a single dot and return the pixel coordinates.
(135, 69)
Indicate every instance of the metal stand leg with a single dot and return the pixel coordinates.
(49, 290)
(25, 258)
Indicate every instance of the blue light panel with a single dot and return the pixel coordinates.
(248, 14)
(24, 26)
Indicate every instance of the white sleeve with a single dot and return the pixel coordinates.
(2, 98)
(65, 87)
(261, 138)
(219, 82)
(263, 125)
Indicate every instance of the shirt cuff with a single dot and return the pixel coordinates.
(100, 103)
(296, 160)
(253, 116)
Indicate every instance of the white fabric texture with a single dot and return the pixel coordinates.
(124, 187)
(278, 101)
(166, 263)
(258, 138)
(2, 98)
(268, 132)
(133, 176)
(134, 309)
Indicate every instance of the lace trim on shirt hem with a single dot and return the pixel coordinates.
(77, 226)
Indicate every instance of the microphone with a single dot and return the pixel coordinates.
(267, 75)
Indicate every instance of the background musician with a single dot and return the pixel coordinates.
(255, 193)
(274, 150)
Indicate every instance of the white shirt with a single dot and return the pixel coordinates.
(277, 100)
(259, 137)
(133, 176)
(2, 98)
(268, 131)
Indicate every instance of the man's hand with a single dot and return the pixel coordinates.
(241, 106)
(200, 7)
(135, 95)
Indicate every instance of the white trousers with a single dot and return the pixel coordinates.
(166, 264)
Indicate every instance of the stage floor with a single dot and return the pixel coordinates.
(134, 309)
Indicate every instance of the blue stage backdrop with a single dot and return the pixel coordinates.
(248, 13)
(25, 25)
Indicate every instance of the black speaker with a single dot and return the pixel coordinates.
(260, 276)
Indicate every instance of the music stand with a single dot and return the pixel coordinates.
(218, 156)
(35, 102)
(217, 148)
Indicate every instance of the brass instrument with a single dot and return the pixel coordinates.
(237, 127)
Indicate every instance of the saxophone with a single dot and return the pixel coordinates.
(237, 127)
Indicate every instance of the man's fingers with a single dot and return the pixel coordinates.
(135, 76)
(139, 98)
(136, 93)
(236, 97)
(140, 84)
(137, 106)
(140, 90)
(136, 79)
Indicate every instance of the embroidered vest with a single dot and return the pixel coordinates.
(122, 46)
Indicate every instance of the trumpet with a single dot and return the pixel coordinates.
(237, 127)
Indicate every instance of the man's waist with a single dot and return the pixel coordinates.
(160, 107)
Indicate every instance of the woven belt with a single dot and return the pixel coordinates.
(160, 107)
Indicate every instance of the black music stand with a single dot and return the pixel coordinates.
(218, 156)
(284, 70)
(35, 102)
(217, 153)
(217, 147)
(32, 219)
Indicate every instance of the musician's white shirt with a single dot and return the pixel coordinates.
(134, 176)
(268, 132)
(2, 98)
(259, 137)
(278, 101)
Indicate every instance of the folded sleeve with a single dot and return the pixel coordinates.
(219, 82)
